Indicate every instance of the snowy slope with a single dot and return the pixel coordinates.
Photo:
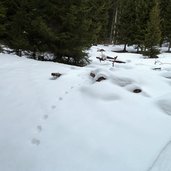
(74, 123)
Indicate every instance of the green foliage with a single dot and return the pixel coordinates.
(126, 20)
(138, 23)
(166, 21)
(2, 19)
(164, 13)
(153, 34)
(66, 29)
(74, 33)
(152, 52)
(45, 26)
(141, 18)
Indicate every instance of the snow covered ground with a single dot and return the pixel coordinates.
(74, 123)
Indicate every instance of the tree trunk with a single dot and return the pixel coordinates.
(124, 50)
(114, 30)
(18, 52)
(169, 47)
(138, 49)
(34, 53)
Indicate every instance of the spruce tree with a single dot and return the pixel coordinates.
(142, 16)
(2, 20)
(99, 16)
(15, 37)
(163, 14)
(166, 21)
(126, 22)
(16, 33)
(104, 19)
(153, 34)
(72, 34)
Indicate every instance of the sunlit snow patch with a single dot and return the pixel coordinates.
(103, 91)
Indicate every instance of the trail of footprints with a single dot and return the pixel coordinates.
(39, 128)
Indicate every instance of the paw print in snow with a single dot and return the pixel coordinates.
(35, 141)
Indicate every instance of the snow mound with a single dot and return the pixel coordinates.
(122, 81)
(134, 88)
(115, 80)
(103, 91)
(99, 73)
(78, 124)
(165, 105)
(111, 76)
(167, 74)
(162, 162)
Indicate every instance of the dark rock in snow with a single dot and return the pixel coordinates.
(55, 75)
(101, 78)
(137, 90)
(92, 75)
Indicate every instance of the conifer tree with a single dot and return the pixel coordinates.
(2, 23)
(99, 16)
(2, 20)
(112, 19)
(15, 21)
(72, 33)
(166, 22)
(126, 22)
(105, 19)
(141, 18)
(163, 14)
(153, 34)
(16, 34)
(67, 28)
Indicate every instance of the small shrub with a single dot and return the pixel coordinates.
(151, 52)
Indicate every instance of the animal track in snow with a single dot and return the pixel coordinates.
(45, 117)
(66, 92)
(53, 106)
(39, 128)
(60, 98)
(35, 141)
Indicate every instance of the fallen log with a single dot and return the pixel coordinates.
(111, 59)
(100, 59)
(122, 62)
(114, 58)
(116, 61)
(158, 68)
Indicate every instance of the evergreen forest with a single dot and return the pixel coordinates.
(66, 28)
